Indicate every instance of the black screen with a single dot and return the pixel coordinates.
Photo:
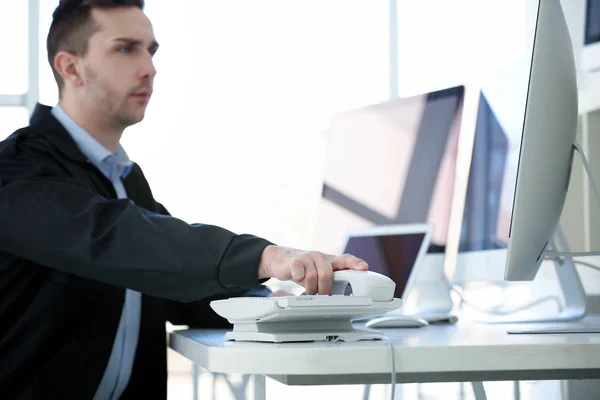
(484, 221)
(592, 21)
(392, 255)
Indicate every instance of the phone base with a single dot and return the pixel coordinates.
(308, 330)
(301, 318)
(316, 335)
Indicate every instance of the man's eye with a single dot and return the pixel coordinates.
(125, 49)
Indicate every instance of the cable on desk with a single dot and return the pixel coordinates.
(554, 254)
(587, 264)
(393, 380)
(578, 262)
(586, 165)
(527, 306)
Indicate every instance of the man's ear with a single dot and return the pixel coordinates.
(66, 65)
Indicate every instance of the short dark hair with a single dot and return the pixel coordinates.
(72, 26)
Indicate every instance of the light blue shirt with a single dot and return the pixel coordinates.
(115, 167)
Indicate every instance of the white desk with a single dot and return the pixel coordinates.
(465, 352)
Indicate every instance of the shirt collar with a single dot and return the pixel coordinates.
(112, 165)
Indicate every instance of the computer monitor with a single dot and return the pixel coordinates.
(395, 251)
(549, 131)
(485, 219)
(488, 200)
(390, 163)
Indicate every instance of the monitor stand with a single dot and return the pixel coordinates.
(574, 296)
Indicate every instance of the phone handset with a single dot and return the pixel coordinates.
(364, 283)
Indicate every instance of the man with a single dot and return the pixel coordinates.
(91, 266)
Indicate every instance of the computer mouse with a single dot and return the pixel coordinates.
(396, 321)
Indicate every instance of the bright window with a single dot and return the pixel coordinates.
(11, 119)
(445, 43)
(14, 44)
(48, 88)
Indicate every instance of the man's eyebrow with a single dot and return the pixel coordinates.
(128, 40)
(134, 42)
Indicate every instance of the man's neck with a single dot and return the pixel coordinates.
(93, 124)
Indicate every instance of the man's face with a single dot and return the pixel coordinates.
(117, 71)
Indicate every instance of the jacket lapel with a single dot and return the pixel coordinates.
(138, 189)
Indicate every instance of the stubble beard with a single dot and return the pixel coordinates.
(107, 105)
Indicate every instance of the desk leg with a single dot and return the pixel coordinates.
(367, 392)
(260, 387)
(195, 376)
(478, 391)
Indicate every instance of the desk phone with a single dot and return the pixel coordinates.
(312, 317)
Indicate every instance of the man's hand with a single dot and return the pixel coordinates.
(311, 269)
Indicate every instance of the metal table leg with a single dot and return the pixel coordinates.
(195, 374)
(260, 387)
(479, 391)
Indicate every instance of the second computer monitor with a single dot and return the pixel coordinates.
(488, 200)
(391, 163)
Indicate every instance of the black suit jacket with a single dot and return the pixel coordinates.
(69, 248)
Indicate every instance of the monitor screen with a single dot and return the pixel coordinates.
(391, 163)
(391, 255)
(592, 22)
(490, 187)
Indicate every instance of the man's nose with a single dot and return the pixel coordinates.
(147, 70)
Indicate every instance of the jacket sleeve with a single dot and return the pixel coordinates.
(59, 223)
(199, 314)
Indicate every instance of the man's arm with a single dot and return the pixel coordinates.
(59, 223)
(199, 314)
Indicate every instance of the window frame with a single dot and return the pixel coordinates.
(30, 98)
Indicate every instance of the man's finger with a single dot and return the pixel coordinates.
(325, 271)
(310, 277)
(348, 261)
(297, 270)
